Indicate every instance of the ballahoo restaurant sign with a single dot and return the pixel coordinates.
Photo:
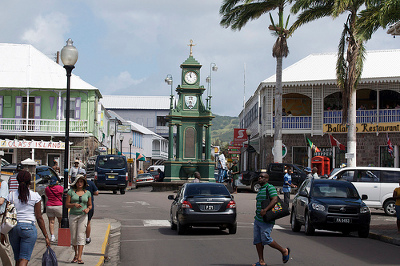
(363, 128)
(31, 144)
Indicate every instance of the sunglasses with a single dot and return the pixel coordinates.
(80, 199)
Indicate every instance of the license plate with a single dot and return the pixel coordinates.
(343, 220)
(111, 176)
(208, 207)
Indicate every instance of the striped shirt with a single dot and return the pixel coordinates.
(261, 196)
(13, 183)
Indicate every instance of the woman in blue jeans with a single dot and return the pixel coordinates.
(28, 205)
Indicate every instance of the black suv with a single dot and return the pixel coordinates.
(111, 173)
(276, 172)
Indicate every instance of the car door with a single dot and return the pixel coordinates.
(302, 200)
(175, 204)
(276, 174)
(368, 183)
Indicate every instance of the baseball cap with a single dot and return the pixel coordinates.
(20, 167)
(53, 181)
(308, 169)
(76, 161)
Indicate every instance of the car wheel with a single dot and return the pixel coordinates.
(296, 226)
(309, 228)
(255, 187)
(181, 228)
(363, 231)
(389, 209)
(115, 191)
(173, 225)
(122, 191)
(232, 228)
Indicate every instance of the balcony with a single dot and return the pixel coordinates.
(159, 155)
(295, 122)
(43, 126)
(365, 116)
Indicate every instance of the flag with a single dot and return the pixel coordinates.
(390, 146)
(140, 157)
(312, 146)
(335, 142)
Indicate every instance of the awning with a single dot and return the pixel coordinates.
(140, 157)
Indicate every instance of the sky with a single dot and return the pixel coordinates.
(128, 47)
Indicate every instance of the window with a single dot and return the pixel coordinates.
(386, 159)
(346, 175)
(390, 176)
(367, 176)
(74, 108)
(161, 121)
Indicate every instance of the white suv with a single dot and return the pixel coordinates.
(377, 183)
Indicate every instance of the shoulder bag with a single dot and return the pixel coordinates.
(9, 217)
(280, 209)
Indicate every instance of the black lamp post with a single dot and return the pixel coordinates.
(248, 132)
(69, 56)
(112, 135)
(121, 139)
(130, 157)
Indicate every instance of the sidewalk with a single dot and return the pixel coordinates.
(104, 246)
(386, 233)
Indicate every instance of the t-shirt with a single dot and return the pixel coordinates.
(3, 194)
(25, 211)
(398, 194)
(13, 183)
(287, 181)
(235, 169)
(261, 196)
(75, 199)
(73, 172)
(222, 161)
(54, 195)
(92, 188)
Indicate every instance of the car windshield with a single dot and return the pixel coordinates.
(206, 190)
(334, 191)
(144, 175)
(111, 162)
(334, 171)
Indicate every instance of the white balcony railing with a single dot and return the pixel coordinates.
(42, 125)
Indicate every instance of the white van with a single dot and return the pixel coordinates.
(377, 183)
(155, 168)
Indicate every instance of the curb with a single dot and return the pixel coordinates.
(384, 238)
(104, 247)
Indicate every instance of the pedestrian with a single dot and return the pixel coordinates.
(221, 167)
(94, 192)
(235, 175)
(12, 181)
(28, 205)
(396, 196)
(287, 185)
(73, 172)
(5, 249)
(197, 177)
(80, 202)
(262, 230)
(140, 171)
(315, 173)
(308, 172)
(161, 175)
(56, 167)
(54, 194)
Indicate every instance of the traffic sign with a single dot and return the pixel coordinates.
(130, 160)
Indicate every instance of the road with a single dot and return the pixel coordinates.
(146, 238)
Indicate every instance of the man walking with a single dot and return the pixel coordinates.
(315, 173)
(287, 186)
(12, 181)
(73, 172)
(262, 230)
(221, 167)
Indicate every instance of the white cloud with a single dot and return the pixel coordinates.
(47, 32)
(119, 83)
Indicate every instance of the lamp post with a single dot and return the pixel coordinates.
(121, 139)
(130, 164)
(69, 56)
(248, 132)
(213, 67)
(169, 81)
(112, 135)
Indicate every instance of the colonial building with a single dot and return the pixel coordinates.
(312, 102)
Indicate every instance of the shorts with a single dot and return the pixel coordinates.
(54, 211)
(397, 208)
(262, 233)
(90, 213)
(22, 239)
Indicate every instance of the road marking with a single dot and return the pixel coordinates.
(179, 238)
(159, 223)
(143, 203)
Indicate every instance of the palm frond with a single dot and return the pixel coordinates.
(311, 14)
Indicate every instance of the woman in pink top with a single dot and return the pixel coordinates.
(54, 193)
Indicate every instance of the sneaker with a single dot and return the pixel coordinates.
(88, 240)
(53, 238)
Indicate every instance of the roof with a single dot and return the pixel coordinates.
(382, 65)
(136, 102)
(23, 66)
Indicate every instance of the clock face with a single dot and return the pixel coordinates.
(190, 77)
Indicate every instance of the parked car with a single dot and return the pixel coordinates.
(330, 205)
(143, 180)
(111, 173)
(377, 183)
(9, 168)
(203, 204)
(155, 175)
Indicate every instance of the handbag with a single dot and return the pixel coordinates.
(49, 258)
(9, 217)
(281, 209)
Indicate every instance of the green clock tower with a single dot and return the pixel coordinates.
(191, 121)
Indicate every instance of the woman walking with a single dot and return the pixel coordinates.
(80, 202)
(28, 205)
(54, 194)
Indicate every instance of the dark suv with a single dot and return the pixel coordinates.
(276, 172)
(111, 173)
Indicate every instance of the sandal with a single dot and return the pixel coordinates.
(287, 257)
(75, 260)
(80, 262)
(259, 264)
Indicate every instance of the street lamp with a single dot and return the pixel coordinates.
(169, 81)
(130, 164)
(213, 67)
(248, 132)
(112, 135)
(121, 139)
(69, 56)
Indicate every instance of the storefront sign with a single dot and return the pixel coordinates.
(363, 128)
(32, 144)
(239, 135)
(324, 152)
(233, 152)
(124, 128)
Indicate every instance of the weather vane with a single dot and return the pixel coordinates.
(191, 46)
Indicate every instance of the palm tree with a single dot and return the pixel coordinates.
(236, 14)
(351, 52)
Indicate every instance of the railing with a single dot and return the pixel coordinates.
(158, 154)
(295, 122)
(42, 125)
(365, 116)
